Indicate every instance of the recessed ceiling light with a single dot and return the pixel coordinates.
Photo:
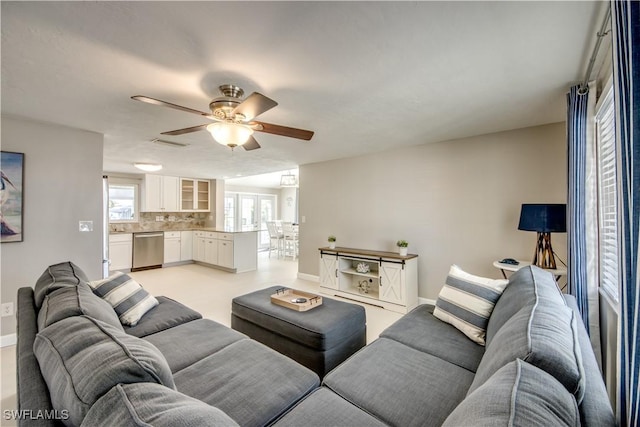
(148, 167)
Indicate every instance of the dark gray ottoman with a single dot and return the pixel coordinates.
(319, 339)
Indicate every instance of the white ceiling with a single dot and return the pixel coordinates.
(365, 76)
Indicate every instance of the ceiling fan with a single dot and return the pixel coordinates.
(233, 118)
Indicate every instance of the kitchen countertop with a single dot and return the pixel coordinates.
(213, 229)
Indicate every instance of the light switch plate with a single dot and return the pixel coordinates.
(85, 226)
(7, 309)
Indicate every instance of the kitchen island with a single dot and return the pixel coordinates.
(233, 251)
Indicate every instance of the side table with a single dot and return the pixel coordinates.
(557, 272)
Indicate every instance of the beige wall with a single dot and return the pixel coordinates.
(455, 202)
(62, 185)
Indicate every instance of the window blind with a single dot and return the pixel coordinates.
(607, 195)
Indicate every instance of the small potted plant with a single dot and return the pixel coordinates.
(332, 242)
(403, 244)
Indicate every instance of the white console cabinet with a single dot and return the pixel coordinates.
(385, 279)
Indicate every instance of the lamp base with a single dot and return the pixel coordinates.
(543, 256)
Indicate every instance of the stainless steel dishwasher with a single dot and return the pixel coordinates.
(148, 250)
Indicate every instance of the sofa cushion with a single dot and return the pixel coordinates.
(64, 274)
(399, 385)
(419, 329)
(82, 358)
(148, 404)
(75, 301)
(250, 382)
(126, 296)
(466, 301)
(32, 394)
(167, 314)
(198, 339)
(526, 287)
(324, 408)
(595, 408)
(544, 335)
(517, 395)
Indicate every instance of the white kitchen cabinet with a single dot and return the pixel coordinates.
(234, 252)
(120, 251)
(225, 253)
(194, 195)
(211, 249)
(160, 193)
(171, 247)
(186, 245)
(385, 279)
(198, 245)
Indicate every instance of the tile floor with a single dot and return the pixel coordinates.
(209, 292)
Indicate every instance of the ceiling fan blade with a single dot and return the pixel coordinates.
(186, 130)
(254, 105)
(251, 144)
(154, 101)
(282, 130)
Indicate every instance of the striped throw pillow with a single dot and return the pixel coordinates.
(129, 300)
(466, 302)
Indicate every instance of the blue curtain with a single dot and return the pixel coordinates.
(626, 75)
(576, 206)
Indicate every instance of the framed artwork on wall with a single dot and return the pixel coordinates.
(11, 200)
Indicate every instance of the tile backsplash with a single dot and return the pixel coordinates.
(148, 221)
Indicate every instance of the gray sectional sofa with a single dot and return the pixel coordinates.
(176, 369)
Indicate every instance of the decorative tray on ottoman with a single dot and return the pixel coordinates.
(296, 300)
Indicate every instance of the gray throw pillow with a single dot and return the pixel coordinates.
(64, 274)
(544, 335)
(126, 296)
(517, 395)
(75, 301)
(82, 358)
(146, 404)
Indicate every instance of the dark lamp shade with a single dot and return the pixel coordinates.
(544, 218)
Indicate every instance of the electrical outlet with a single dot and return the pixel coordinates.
(7, 309)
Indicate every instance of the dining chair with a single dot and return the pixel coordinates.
(290, 240)
(275, 236)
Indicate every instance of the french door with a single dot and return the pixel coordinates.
(249, 212)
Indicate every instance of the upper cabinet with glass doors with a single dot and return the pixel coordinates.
(194, 195)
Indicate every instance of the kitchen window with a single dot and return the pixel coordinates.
(123, 201)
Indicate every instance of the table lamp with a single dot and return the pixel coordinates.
(544, 219)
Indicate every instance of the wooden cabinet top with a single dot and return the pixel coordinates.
(340, 251)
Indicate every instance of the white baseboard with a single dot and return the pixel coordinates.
(426, 301)
(309, 277)
(7, 340)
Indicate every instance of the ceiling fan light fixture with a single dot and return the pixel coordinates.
(229, 133)
(148, 167)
